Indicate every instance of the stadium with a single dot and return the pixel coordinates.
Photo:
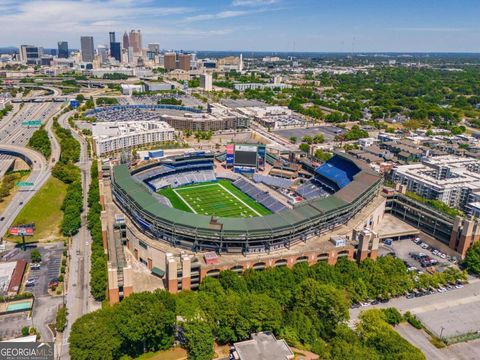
(190, 202)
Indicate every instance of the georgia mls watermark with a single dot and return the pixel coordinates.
(26, 351)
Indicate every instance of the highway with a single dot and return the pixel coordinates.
(13, 139)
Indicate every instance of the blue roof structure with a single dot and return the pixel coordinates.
(338, 170)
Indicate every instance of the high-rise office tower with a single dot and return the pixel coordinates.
(184, 61)
(102, 51)
(115, 51)
(135, 41)
(62, 49)
(170, 61)
(111, 36)
(154, 48)
(30, 54)
(126, 42)
(86, 46)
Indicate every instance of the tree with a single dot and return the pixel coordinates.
(35, 256)
(322, 155)
(307, 139)
(293, 139)
(94, 337)
(318, 139)
(472, 260)
(199, 340)
(144, 324)
(304, 147)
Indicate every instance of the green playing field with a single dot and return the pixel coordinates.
(216, 198)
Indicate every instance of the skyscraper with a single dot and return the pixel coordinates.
(111, 35)
(86, 45)
(102, 51)
(135, 41)
(126, 43)
(115, 51)
(63, 49)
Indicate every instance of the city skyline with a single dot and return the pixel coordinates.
(250, 25)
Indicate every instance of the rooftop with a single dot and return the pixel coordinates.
(263, 346)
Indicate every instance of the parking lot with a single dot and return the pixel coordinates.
(11, 325)
(417, 253)
(329, 132)
(49, 267)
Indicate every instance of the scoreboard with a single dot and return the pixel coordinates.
(246, 156)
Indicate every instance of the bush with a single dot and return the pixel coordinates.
(25, 331)
(61, 319)
(392, 316)
(412, 320)
(35, 256)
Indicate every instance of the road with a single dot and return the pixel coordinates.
(39, 174)
(13, 138)
(78, 298)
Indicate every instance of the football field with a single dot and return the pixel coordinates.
(216, 198)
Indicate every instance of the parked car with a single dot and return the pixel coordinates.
(410, 295)
(388, 242)
(355, 305)
(35, 266)
(30, 282)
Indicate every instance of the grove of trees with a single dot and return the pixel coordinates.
(308, 306)
(98, 271)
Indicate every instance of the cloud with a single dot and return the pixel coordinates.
(253, 2)
(221, 15)
(45, 22)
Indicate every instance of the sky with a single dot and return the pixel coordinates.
(251, 25)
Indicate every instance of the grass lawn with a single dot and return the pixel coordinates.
(44, 210)
(219, 198)
(172, 354)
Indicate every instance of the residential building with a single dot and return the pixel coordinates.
(170, 61)
(63, 49)
(87, 49)
(184, 61)
(254, 86)
(111, 137)
(450, 179)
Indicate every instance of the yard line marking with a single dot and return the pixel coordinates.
(236, 197)
(181, 198)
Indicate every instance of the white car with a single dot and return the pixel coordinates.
(459, 286)
(442, 289)
(443, 256)
(365, 304)
(417, 240)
